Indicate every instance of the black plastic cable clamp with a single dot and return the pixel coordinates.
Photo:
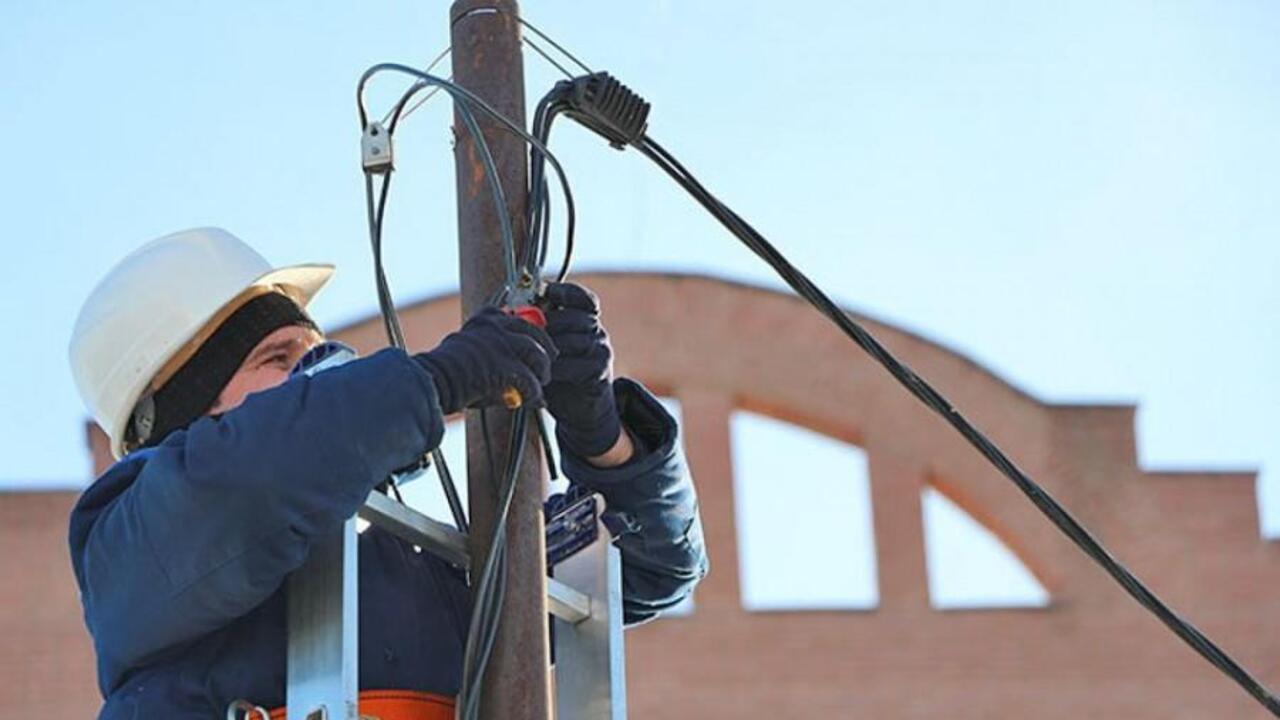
(606, 107)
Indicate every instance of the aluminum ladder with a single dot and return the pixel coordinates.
(584, 596)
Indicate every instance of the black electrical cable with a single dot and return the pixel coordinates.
(395, 337)
(490, 590)
(450, 489)
(465, 100)
(514, 272)
(486, 157)
(538, 232)
(395, 490)
(537, 224)
(431, 66)
(398, 111)
(539, 209)
(921, 389)
(538, 205)
(536, 246)
(385, 302)
(546, 111)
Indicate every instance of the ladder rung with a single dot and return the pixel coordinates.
(433, 536)
(566, 603)
(447, 543)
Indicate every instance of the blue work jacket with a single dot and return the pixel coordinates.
(181, 550)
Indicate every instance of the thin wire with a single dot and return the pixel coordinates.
(539, 209)
(546, 57)
(554, 44)
(424, 99)
(398, 112)
(519, 18)
(539, 225)
(443, 54)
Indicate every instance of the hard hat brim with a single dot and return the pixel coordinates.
(299, 282)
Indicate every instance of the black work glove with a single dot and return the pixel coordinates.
(580, 394)
(492, 352)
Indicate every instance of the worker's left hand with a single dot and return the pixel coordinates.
(580, 394)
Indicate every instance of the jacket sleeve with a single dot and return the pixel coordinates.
(652, 508)
(220, 513)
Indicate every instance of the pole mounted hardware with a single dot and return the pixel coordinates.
(376, 154)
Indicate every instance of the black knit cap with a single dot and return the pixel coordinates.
(195, 387)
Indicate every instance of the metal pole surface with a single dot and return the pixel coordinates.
(487, 60)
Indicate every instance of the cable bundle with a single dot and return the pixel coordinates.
(611, 110)
(489, 591)
(604, 113)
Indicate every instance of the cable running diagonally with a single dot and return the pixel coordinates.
(611, 110)
(923, 391)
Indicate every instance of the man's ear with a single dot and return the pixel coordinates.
(216, 407)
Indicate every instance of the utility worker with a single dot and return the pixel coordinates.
(229, 468)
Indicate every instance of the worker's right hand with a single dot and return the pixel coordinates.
(492, 353)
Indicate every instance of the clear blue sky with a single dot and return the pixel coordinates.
(1081, 196)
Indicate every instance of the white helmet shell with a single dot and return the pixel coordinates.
(157, 300)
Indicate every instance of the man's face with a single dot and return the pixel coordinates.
(267, 365)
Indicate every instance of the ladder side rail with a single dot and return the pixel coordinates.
(323, 619)
(590, 654)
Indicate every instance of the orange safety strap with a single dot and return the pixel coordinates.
(397, 705)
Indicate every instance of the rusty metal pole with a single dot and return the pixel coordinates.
(487, 60)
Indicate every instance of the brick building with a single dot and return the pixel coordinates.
(719, 347)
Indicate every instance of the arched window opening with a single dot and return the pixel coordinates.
(802, 504)
(969, 567)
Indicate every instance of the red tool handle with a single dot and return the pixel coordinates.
(531, 314)
(534, 316)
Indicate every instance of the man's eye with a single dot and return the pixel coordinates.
(279, 359)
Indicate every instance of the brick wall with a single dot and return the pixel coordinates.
(718, 346)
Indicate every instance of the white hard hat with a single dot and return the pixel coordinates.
(157, 305)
